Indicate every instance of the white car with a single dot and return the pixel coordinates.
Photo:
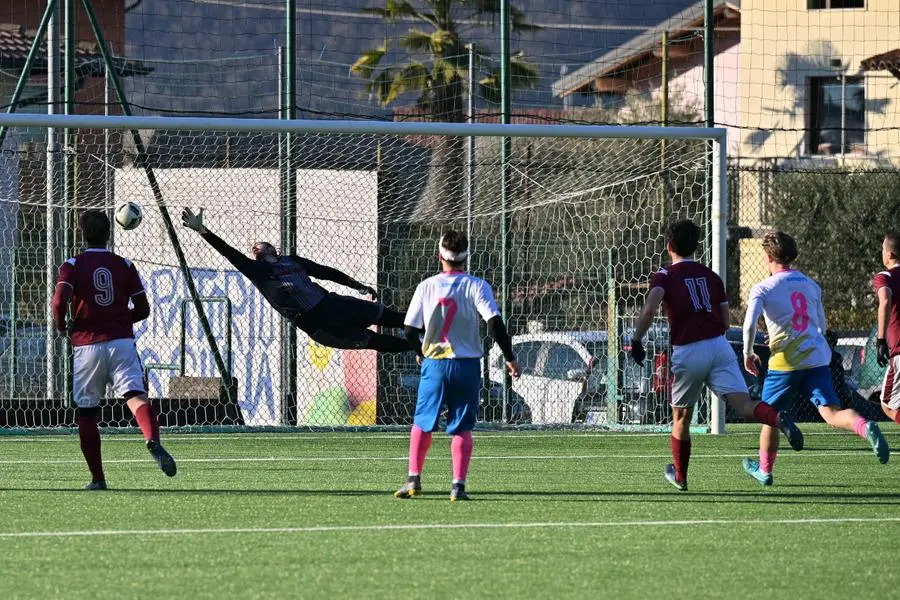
(557, 367)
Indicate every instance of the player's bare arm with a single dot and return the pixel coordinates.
(60, 304)
(651, 307)
(884, 316)
(754, 310)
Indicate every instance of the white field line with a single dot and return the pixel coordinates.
(315, 459)
(349, 437)
(439, 526)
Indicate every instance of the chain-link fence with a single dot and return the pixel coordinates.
(838, 214)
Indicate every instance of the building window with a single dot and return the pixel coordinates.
(815, 4)
(826, 106)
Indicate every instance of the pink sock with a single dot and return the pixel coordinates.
(461, 452)
(767, 461)
(419, 443)
(860, 427)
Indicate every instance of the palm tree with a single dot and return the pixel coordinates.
(436, 68)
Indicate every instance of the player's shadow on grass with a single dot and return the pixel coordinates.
(732, 496)
(207, 492)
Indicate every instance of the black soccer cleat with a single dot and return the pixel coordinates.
(458, 492)
(163, 459)
(411, 489)
(99, 484)
(790, 431)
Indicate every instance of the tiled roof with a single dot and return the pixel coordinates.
(887, 61)
(634, 49)
(16, 41)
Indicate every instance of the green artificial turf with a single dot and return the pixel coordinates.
(554, 515)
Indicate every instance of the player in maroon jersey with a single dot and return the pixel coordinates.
(100, 286)
(697, 310)
(887, 287)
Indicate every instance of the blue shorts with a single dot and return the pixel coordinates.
(813, 384)
(455, 382)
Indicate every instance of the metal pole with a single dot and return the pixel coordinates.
(719, 256)
(664, 109)
(160, 201)
(843, 112)
(505, 155)
(709, 47)
(613, 342)
(69, 168)
(717, 411)
(470, 211)
(52, 192)
(29, 61)
(108, 200)
(13, 104)
(470, 155)
(289, 208)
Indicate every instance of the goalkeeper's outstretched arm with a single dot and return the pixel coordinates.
(326, 273)
(195, 221)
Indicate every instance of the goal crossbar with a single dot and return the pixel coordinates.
(716, 134)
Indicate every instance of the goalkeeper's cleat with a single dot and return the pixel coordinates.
(877, 441)
(163, 459)
(790, 431)
(672, 478)
(458, 492)
(751, 467)
(99, 484)
(410, 489)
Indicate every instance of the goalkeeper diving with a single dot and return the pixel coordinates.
(284, 281)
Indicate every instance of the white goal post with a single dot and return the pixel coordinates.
(633, 162)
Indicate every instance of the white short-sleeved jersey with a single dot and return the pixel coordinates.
(448, 306)
(791, 303)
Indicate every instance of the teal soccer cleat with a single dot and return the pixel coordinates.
(877, 441)
(751, 467)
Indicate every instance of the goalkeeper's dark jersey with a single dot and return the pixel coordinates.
(286, 283)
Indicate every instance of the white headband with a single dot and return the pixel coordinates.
(449, 256)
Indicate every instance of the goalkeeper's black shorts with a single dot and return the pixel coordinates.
(342, 322)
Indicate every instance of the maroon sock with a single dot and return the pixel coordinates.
(681, 456)
(89, 434)
(766, 415)
(897, 417)
(146, 420)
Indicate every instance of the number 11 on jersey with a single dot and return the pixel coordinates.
(699, 292)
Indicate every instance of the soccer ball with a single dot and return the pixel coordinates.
(128, 215)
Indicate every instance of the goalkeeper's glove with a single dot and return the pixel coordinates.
(638, 354)
(365, 289)
(883, 352)
(192, 221)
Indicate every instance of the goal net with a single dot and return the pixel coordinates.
(567, 226)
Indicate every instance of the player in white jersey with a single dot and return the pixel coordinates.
(445, 312)
(791, 304)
